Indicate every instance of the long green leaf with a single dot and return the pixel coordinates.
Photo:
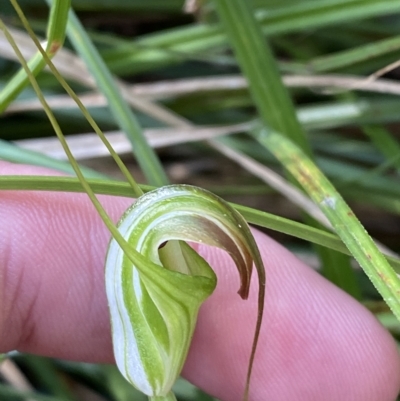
(116, 188)
(339, 214)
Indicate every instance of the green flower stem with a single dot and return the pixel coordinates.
(169, 397)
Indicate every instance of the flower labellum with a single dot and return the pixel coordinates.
(155, 291)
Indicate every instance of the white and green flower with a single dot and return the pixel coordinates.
(154, 300)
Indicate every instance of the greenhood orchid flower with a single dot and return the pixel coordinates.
(154, 300)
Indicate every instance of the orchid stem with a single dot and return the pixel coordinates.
(169, 397)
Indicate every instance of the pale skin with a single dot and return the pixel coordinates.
(316, 342)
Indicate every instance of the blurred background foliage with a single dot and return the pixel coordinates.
(177, 62)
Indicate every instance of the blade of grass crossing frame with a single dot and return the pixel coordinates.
(116, 188)
(339, 214)
(55, 39)
(274, 105)
(123, 115)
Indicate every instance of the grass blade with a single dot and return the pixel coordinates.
(339, 214)
(117, 188)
